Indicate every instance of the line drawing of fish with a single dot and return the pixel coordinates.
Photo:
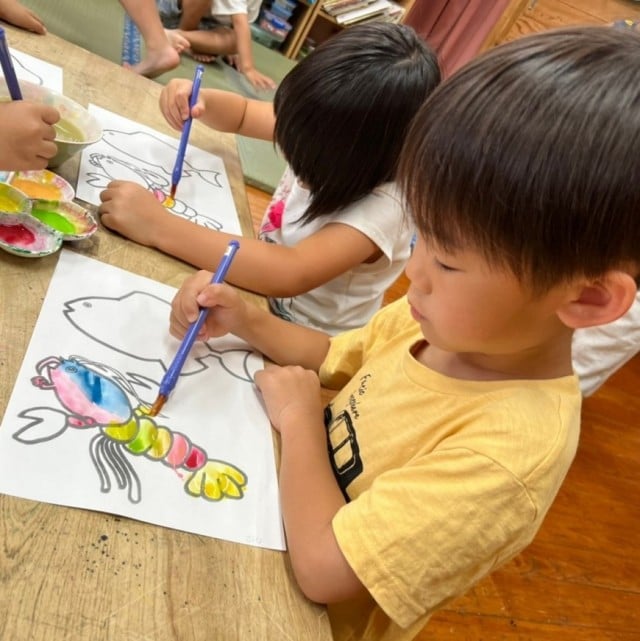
(148, 342)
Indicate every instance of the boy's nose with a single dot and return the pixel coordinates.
(416, 269)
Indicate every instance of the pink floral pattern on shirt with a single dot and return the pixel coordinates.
(273, 219)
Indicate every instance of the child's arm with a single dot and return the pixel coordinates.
(14, 13)
(220, 110)
(282, 342)
(292, 398)
(309, 493)
(26, 135)
(245, 62)
(265, 268)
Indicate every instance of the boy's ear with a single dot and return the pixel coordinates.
(600, 302)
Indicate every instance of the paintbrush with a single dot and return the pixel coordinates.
(186, 128)
(170, 378)
(8, 70)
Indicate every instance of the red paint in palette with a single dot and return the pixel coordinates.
(17, 235)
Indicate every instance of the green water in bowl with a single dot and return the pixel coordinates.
(67, 132)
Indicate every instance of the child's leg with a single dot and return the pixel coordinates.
(160, 53)
(192, 12)
(205, 45)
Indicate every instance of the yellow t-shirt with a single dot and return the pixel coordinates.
(446, 479)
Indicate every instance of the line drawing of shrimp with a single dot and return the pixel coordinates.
(133, 152)
(110, 168)
(96, 396)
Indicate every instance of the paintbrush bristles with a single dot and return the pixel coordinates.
(172, 193)
(158, 405)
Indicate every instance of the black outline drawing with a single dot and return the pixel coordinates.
(154, 177)
(80, 385)
(103, 401)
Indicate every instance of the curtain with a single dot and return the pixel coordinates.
(456, 29)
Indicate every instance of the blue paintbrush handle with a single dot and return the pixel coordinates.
(171, 376)
(7, 69)
(186, 129)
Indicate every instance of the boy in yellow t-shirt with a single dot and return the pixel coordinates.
(457, 414)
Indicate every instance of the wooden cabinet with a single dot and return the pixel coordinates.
(302, 20)
(311, 21)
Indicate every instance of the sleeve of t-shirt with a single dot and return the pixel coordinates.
(381, 217)
(348, 350)
(428, 531)
(228, 7)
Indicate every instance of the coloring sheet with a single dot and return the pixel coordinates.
(131, 151)
(37, 71)
(77, 431)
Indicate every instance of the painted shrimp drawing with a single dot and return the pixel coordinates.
(95, 396)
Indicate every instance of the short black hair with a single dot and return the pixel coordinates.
(343, 111)
(530, 154)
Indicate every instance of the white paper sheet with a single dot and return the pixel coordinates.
(98, 351)
(37, 71)
(131, 151)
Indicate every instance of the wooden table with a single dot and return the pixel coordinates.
(74, 575)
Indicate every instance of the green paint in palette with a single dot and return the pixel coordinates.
(54, 219)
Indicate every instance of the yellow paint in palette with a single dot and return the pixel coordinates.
(8, 204)
(13, 201)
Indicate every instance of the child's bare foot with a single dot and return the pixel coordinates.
(201, 57)
(177, 40)
(14, 13)
(156, 61)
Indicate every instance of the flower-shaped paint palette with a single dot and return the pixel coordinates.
(33, 228)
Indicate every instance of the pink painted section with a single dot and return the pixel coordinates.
(179, 450)
(75, 400)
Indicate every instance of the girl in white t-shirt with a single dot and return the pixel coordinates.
(335, 235)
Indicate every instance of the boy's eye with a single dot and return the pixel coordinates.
(445, 267)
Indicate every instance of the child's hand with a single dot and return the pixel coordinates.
(291, 395)
(14, 13)
(259, 80)
(228, 312)
(132, 211)
(174, 102)
(27, 135)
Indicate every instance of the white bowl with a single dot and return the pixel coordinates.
(70, 112)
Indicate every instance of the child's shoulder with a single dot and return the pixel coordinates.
(394, 320)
